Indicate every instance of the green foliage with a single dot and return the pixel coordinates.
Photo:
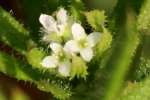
(13, 33)
(62, 92)
(104, 43)
(10, 66)
(122, 55)
(76, 9)
(144, 18)
(96, 19)
(142, 64)
(35, 56)
(78, 68)
(14, 68)
(59, 88)
(143, 70)
(136, 91)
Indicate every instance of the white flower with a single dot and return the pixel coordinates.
(58, 59)
(50, 62)
(81, 42)
(64, 68)
(51, 25)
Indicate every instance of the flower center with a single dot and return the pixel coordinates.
(83, 43)
(61, 56)
(61, 28)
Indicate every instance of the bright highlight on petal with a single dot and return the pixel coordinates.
(58, 26)
(50, 62)
(48, 22)
(87, 54)
(71, 47)
(62, 16)
(64, 68)
(83, 43)
(78, 31)
(93, 38)
(56, 47)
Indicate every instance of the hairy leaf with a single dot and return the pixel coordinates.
(137, 91)
(96, 19)
(144, 18)
(13, 68)
(12, 33)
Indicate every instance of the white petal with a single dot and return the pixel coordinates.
(93, 38)
(48, 22)
(87, 54)
(56, 47)
(78, 31)
(62, 16)
(71, 47)
(64, 68)
(50, 62)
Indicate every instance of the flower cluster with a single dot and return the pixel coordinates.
(67, 40)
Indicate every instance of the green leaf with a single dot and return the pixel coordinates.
(76, 9)
(144, 18)
(13, 33)
(35, 56)
(21, 71)
(137, 91)
(143, 69)
(104, 43)
(96, 19)
(123, 51)
(102, 51)
(78, 68)
(59, 91)
(13, 68)
(142, 64)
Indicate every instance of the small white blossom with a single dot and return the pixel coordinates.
(50, 62)
(81, 42)
(58, 59)
(57, 31)
(64, 68)
(52, 26)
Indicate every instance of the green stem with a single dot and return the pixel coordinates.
(122, 55)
